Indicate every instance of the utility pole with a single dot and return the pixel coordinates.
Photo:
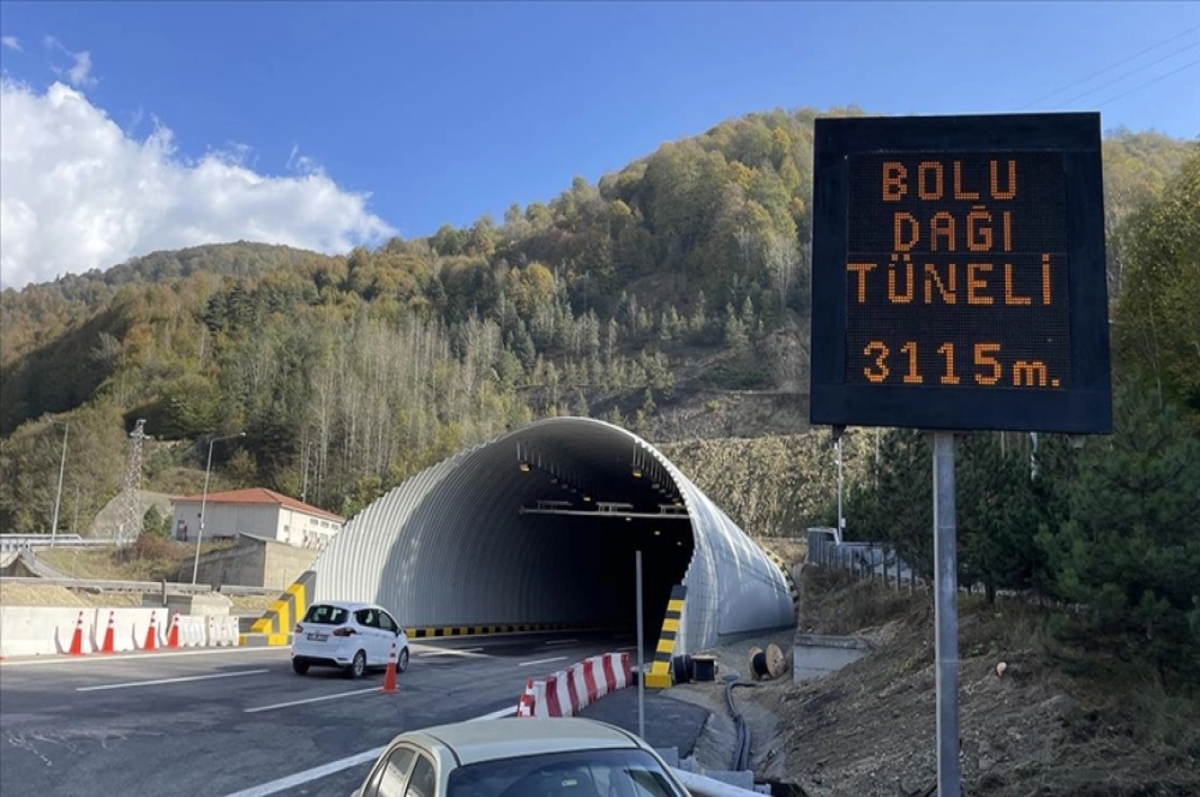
(62, 465)
(204, 500)
(304, 489)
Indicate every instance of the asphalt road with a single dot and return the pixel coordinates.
(239, 721)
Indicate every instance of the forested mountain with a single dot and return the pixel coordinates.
(670, 283)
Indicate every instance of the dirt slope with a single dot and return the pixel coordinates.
(1030, 732)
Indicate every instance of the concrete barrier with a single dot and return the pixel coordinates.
(48, 631)
(817, 655)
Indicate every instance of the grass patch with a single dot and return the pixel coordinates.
(834, 602)
(151, 558)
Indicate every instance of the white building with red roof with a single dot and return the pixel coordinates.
(258, 512)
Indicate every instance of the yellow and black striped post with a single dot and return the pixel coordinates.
(659, 676)
(274, 628)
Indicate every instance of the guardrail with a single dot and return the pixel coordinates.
(864, 560)
(138, 586)
(18, 542)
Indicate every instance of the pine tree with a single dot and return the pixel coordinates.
(1129, 556)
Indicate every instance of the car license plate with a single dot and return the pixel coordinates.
(317, 637)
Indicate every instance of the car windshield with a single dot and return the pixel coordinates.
(590, 773)
(326, 615)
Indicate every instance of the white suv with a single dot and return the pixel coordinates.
(352, 636)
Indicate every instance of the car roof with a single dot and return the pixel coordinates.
(485, 740)
(350, 606)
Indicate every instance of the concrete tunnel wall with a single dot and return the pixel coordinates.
(452, 547)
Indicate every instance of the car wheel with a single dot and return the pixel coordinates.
(300, 667)
(358, 666)
(402, 661)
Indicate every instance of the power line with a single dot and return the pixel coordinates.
(1141, 68)
(1111, 66)
(1150, 82)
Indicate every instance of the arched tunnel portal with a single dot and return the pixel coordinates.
(540, 527)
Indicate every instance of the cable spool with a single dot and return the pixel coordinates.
(758, 663)
(683, 668)
(769, 663)
(776, 663)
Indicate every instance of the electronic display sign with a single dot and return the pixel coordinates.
(959, 274)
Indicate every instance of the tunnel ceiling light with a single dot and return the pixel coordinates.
(628, 519)
(679, 542)
(587, 497)
(524, 467)
(657, 533)
(637, 472)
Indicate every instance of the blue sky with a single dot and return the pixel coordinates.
(444, 111)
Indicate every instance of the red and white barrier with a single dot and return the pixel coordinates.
(567, 692)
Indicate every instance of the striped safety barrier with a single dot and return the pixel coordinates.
(569, 691)
(439, 631)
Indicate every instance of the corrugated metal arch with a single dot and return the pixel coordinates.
(452, 545)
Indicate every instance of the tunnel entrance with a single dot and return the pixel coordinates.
(600, 565)
(540, 528)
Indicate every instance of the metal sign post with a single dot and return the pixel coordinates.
(909, 332)
(945, 587)
(641, 678)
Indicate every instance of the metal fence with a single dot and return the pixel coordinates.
(27, 542)
(867, 561)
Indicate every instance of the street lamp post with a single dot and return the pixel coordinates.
(62, 466)
(204, 500)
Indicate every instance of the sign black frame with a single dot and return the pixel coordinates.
(1085, 407)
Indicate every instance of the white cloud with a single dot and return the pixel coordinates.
(80, 193)
(11, 42)
(80, 74)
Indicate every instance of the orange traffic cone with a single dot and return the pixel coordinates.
(151, 635)
(173, 634)
(389, 680)
(108, 646)
(77, 639)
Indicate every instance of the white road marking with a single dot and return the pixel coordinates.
(308, 775)
(471, 653)
(131, 656)
(630, 647)
(184, 679)
(541, 661)
(316, 773)
(291, 703)
(561, 641)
